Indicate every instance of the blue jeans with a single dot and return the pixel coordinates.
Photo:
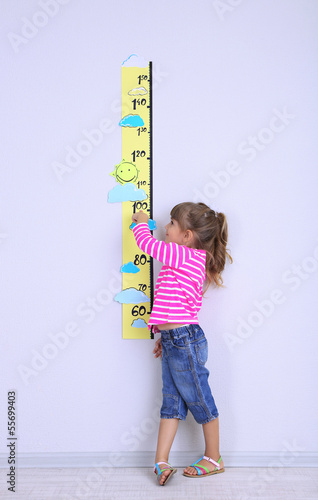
(184, 376)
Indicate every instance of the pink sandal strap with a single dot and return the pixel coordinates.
(158, 463)
(218, 466)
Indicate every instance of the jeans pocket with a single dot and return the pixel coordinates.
(179, 359)
(202, 352)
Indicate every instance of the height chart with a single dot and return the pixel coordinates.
(134, 190)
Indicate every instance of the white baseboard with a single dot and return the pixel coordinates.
(146, 459)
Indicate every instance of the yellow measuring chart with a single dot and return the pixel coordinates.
(134, 190)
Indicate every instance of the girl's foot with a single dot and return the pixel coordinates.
(205, 463)
(163, 478)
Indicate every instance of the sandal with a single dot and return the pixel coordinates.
(159, 471)
(204, 470)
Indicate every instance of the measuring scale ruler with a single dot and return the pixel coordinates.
(136, 168)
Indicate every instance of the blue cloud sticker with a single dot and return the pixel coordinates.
(131, 121)
(131, 296)
(135, 61)
(151, 223)
(130, 267)
(139, 323)
(126, 192)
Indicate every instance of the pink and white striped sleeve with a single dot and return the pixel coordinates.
(171, 254)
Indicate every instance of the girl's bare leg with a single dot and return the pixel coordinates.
(167, 431)
(211, 436)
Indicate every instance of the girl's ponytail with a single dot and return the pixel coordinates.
(217, 253)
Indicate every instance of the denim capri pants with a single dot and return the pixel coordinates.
(184, 375)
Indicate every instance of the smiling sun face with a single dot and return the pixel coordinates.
(125, 172)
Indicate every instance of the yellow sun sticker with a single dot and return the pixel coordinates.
(125, 172)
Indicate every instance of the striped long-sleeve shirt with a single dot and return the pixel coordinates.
(178, 290)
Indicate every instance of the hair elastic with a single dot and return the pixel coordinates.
(212, 212)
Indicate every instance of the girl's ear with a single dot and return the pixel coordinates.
(188, 236)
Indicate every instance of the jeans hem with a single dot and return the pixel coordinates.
(209, 419)
(169, 416)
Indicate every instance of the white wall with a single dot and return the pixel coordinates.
(219, 80)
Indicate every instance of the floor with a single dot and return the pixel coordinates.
(114, 483)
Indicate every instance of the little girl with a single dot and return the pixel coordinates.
(194, 251)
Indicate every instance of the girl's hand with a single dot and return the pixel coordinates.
(158, 349)
(139, 217)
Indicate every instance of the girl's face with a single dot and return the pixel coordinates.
(174, 234)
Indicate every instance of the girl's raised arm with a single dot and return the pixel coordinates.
(171, 254)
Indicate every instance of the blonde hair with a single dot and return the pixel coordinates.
(210, 234)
